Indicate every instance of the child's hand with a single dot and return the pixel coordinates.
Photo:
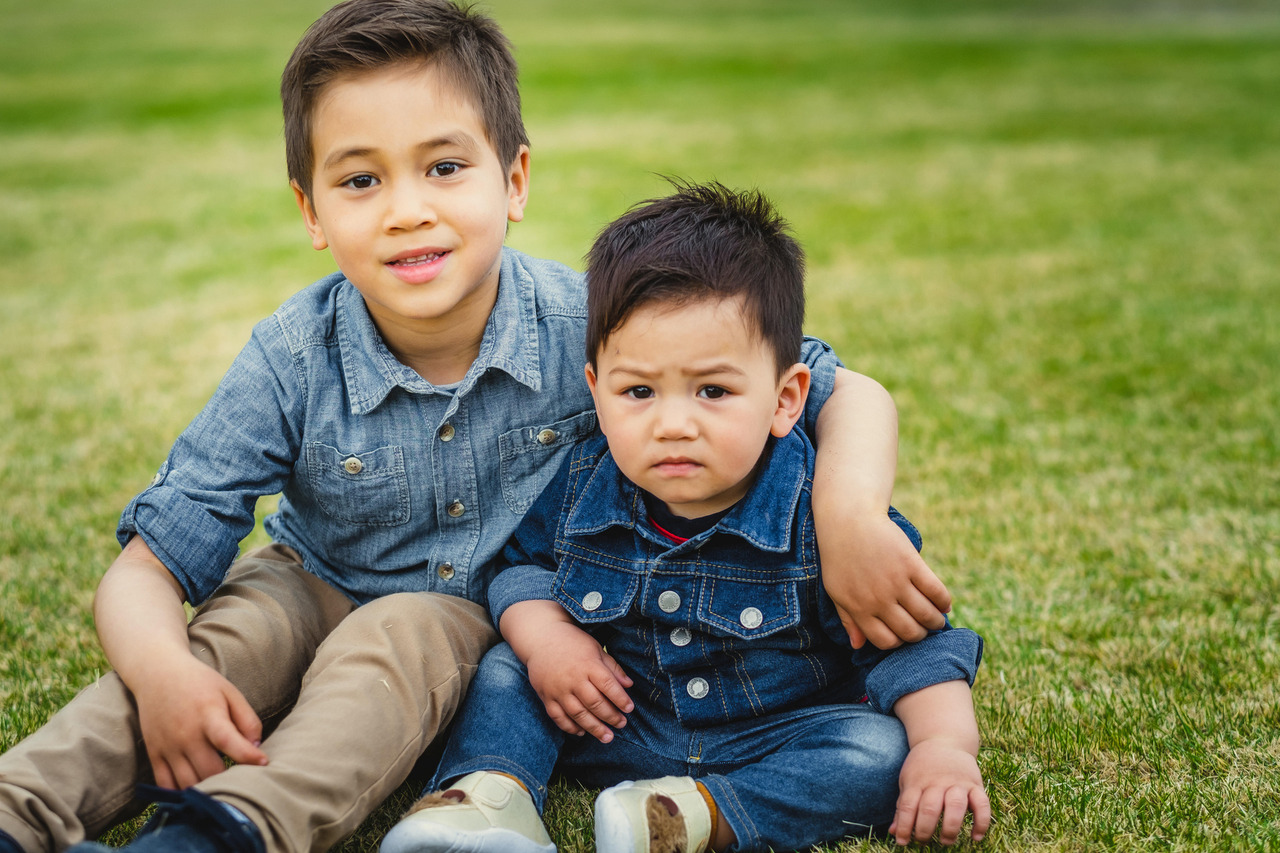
(882, 589)
(581, 686)
(190, 717)
(940, 780)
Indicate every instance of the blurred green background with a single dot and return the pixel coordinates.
(1048, 228)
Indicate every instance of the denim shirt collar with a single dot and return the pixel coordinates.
(509, 344)
(764, 517)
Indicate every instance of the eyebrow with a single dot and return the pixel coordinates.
(452, 140)
(719, 368)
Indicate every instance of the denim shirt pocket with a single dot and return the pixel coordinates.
(531, 455)
(366, 487)
(592, 592)
(749, 610)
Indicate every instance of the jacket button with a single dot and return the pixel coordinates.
(697, 688)
(592, 601)
(669, 601)
(352, 465)
(546, 436)
(681, 637)
(447, 432)
(455, 508)
(445, 571)
(751, 618)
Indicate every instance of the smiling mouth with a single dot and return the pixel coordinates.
(417, 259)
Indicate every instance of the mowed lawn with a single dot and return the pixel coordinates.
(1050, 229)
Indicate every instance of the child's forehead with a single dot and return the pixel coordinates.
(432, 79)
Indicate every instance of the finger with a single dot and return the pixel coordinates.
(956, 806)
(562, 720)
(205, 763)
(163, 775)
(933, 589)
(927, 815)
(857, 639)
(980, 804)
(904, 818)
(921, 609)
(589, 721)
(184, 775)
(903, 625)
(616, 696)
(879, 634)
(618, 672)
(239, 741)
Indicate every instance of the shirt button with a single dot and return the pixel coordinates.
(445, 571)
(447, 432)
(697, 688)
(456, 508)
(669, 601)
(681, 637)
(592, 601)
(546, 436)
(352, 465)
(157, 479)
(751, 618)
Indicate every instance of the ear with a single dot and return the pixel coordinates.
(518, 185)
(318, 242)
(590, 371)
(793, 390)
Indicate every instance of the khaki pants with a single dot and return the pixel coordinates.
(355, 695)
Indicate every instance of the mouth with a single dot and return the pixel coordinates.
(414, 260)
(677, 466)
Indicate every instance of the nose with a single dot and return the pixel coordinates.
(675, 419)
(409, 205)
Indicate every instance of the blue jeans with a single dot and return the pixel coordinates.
(785, 781)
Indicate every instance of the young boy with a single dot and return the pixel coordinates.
(410, 409)
(675, 556)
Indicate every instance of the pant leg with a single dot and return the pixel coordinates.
(827, 773)
(502, 726)
(384, 683)
(75, 776)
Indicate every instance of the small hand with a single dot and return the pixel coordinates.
(883, 590)
(191, 716)
(581, 686)
(940, 781)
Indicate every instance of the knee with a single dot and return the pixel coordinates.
(875, 749)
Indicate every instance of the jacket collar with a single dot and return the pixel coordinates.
(764, 517)
(509, 344)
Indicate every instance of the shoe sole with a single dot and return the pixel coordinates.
(434, 838)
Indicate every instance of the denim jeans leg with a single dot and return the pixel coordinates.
(502, 725)
(828, 773)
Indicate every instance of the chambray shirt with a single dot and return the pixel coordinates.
(729, 625)
(388, 483)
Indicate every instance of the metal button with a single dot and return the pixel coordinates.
(445, 571)
(157, 479)
(447, 432)
(751, 618)
(669, 601)
(592, 601)
(681, 637)
(456, 508)
(698, 688)
(353, 465)
(546, 436)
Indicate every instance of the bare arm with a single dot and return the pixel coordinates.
(940, 779)
(189, 714)
(582, 687)
(881, 586)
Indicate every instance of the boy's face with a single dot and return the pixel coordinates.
(687, 396)
(411, 199)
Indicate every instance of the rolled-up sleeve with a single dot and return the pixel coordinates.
(240, 447)
(822, 361)
(948, 655)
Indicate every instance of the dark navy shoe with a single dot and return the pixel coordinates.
(188, 822)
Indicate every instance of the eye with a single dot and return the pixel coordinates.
(639, 392)
(360, 182)
(445, 170)
(712, 392)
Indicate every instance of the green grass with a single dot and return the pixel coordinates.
(1049, 229)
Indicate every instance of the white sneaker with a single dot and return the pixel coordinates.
(493, 814)
(666, 815)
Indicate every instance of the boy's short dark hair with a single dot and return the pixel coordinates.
(366, 35)
(705, 240)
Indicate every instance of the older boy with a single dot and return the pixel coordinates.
(682, 543)
(410, 409)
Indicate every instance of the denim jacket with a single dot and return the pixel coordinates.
(731, 624)
(389, 484)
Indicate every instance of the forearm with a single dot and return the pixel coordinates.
(139, 615)
(941, 713)
(524, 625)
(857, 448)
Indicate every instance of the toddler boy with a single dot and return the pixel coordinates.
(409, 408)
(663, 594)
